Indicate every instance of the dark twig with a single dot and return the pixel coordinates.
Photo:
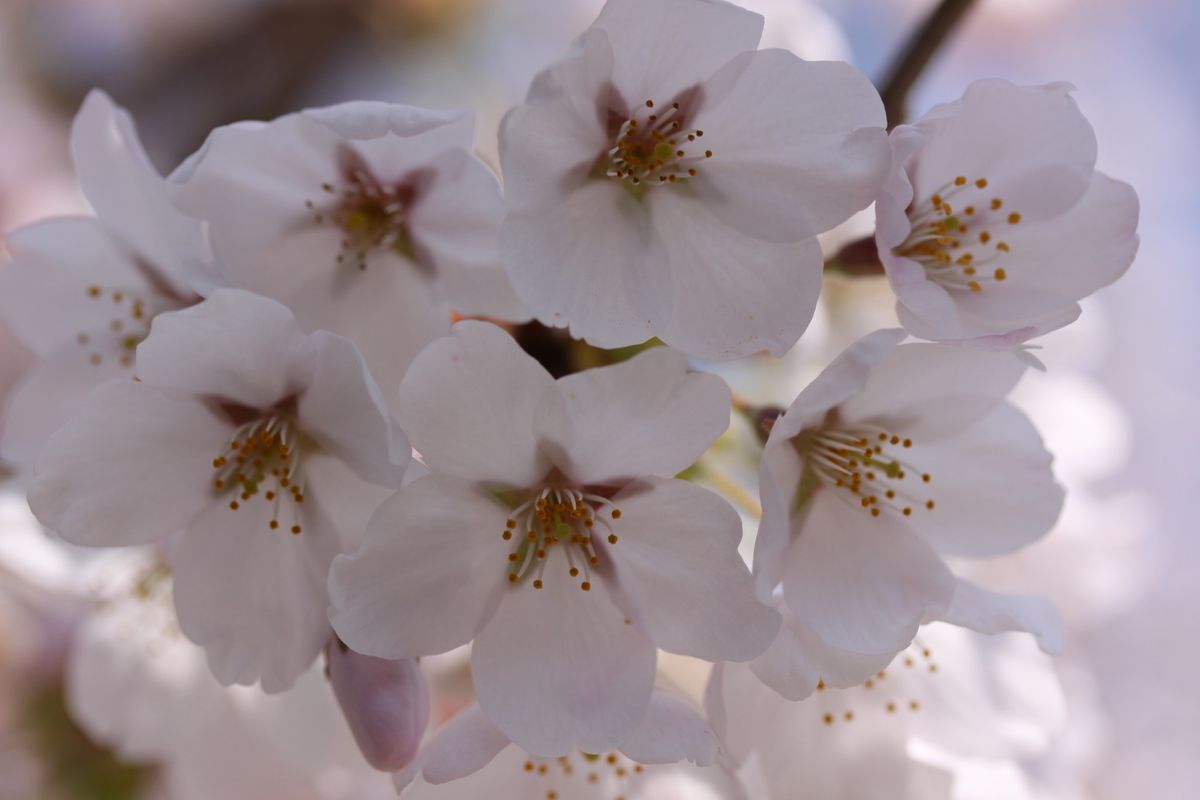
(911, 63)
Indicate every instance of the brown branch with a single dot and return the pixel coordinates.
(908, 67)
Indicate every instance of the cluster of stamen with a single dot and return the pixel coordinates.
(861, 464)
(956, 242)
(262, 458)
(656, 149)
(897, 695)
(558, 517)
(612, 771)
(373, 216)
(129, 325)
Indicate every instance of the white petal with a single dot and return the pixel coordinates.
(462, 746)
(644, 416)
(133, 466)
(345, 411)
(679, 576)
(785, 171)
(235, 345)
(468, 404)
(863, 583)
(559, 669)
(650, 64)
(798, 660)
(992, 484)
(991, 612)
(1031, 143)
(671, 731)
(733, 295)
(428, 575)
(931, 391)
(594, 263)
(129, 195)
(252, 597)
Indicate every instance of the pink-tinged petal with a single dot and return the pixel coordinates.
(992, 612)
(468, 404)
(931, 391)
(130, 196)
(644, 416)
(558, 669)
(395, 139)
(131, 467)
(433, 552)
(664, 47)
(671, 731)
(386, 704)
(593, 262)
(457, 221)
(993, 486)
(779, 476)
(236, 346)
(345, 411)
(678, 574)
(863, 583)
(798, 660)
(254, 597)
(61, 283)
(548, 145)
(1031, 143)
(786, 171)
(49, 393)
(733, 295)
(458, 749)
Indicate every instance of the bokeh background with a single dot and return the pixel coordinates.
(1119, 404)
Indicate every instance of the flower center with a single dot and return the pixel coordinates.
(897, 689)
(654, 147)
(860, 464)
(130, 323)
(373, 216)
(955, 243)
(263, 457)
(561, 517)
(612, 772)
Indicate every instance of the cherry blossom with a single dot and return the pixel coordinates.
(890, 461)
(995, 223)
(81, 292)
(370, 220)
(658, 185)
(255, 440)
(552, 534)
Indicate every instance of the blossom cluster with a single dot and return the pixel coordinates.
(291, 371)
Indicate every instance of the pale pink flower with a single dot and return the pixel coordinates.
(668, 179)
(890, 461)
(995, 223)
(551, 533)
(265, 446)
(80, 292)
(367, 219)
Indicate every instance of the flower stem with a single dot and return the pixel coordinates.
(908, 67)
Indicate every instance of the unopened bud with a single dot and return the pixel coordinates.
(386, 704)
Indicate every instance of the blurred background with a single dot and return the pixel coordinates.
(1116, 405)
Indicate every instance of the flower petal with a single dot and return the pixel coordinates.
(237, 346)
(345, 411)
(703, 35)
(733, 295)
(786, 171)
(468, 403)
(644, 416)
(992, 612)
(385, 703)
(679, 576)
(992, 484)
(461, 747)
(252, 597)
(129, 468)
(434, 546)
(863, 583)
(558, 669)
(671, 731)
